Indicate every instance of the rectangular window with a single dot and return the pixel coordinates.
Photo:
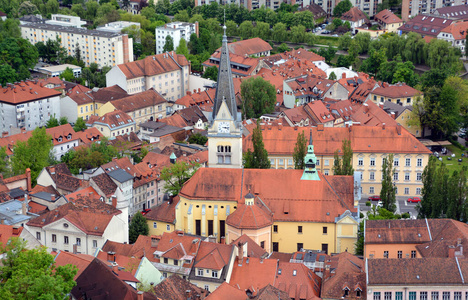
(395, 176)
(78, 241)
(272, 161)
(371, 190)
(408, 162)
(376, 295)
(176, 262)
(326, 162)
(360, 161)
(400, 254)
(396, 162)
(299, 229)
(300, 246)
(423, 295)
(412, 296)
(317, 163)
(155, 225)
(200, 272)
(398, 295)
(54, 238)
(290, 161)
(325, 230)
(413, 253)
(457, 295)
(207, 287)
(407, 176)
(214, 274)
(371, 175)
(435, 296)
(385, 254)
(418, 176)
(446, 296)
(65, 240)
(168, 227)
(166, 260)
(419, 162)
(262, 244)
(388, 295)
(372, 161)
(281, 161)
(275, 228)
(406, 191)
(95, 243)
(38, 235)
(275, 246)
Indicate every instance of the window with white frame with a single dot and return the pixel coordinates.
(434, 295)
(406, 191)
(398, 295)
(446, 296)
(395, 176)
(423, 296)
(207, 287)
(457, 295)
(408, 162)
(371, 175)
(371, 190)
(372, 161)
(407, 176)
(388, 295)
(360, 161)
(376, 295)
(326, 162)
(326, 172)
(200, 272)
(419, 162)
(155, 225)
(396, 162)
(214, 274)
(418, 176)
(418, 191)
(168, 227)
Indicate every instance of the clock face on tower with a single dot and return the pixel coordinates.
(223, 127)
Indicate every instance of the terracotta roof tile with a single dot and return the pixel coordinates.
(164, 212)
(249, 63)
(105, 184)
(175, 288)
(213, 256)
(369, 114)
(226, 291)
(426, 25)
(175, 120)
(113, 119)
(387, 17)
(89, 135)
(178, 246)
(446, 234)
(153, 65)
(26, 91)
(248, 47)
(254, 216)
(397, 232)
(148, 98)
(254, 274)
(118, 248)
(269, 292)
(7, 232)
(298, 281)
(37, 208)
(354, 15)
(397, 90)
(253, 249)
(280, 256)
(81, 261)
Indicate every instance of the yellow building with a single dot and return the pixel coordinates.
(388, 20)
(112, 124)
(161, 218)
(399, 93)
(370, 145)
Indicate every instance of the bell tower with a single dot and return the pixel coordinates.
(310, 172)
(225, 131)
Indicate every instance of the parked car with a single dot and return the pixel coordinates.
(335, 35)
(145, 211)
(374, 198)
(414, 200)
(379, 204)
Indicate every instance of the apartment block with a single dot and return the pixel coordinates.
(177, 31)
(412, 8)
(103, 48)
(64, 20)
(167, 73)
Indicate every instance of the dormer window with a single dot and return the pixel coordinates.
(69, 136)
(346, 292)
(59, 139)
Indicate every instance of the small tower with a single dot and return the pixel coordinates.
(310, 173)
(173, 158)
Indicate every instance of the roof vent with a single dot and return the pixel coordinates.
(294, 272)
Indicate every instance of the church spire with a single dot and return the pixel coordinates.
(225, 88)
(310, 173)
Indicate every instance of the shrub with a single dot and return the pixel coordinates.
(368, 203)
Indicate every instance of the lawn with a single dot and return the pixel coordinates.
(327, 40)
(453, 164)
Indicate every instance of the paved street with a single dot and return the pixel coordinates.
(402, 206)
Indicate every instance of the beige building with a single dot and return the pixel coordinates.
(167, 73)
(399, 93)
(103, 48)
(388, 21)
(370, 145)
(113, 124)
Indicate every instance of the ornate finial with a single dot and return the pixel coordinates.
(310, 139)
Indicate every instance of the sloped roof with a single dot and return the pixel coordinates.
(153, 65)
(253, 274)
(354, 15)
(454, 12)
(253, 249)
(138, 101)
(370, 114)
(457, 30)
(298, 281)
(213, 256)
(105, 184)
(118, 248)
(397, 232)
(426, 25)
(164, 212)
(248, 47)
(445, 233)
(176, 288)
(254, 216)
(397, 90)
(81, 261)
(113, 119)
(387, 17)
(7, 232)
(286, 204)
(226, 291)
(269, 292)
(26, 91)
(346, 270)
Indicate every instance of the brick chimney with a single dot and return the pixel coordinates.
(111, 256)
(24, 206)
(366, 108)
(85, 208)
(16, 231)
(52, 197)
(28, 178)
(398, 129)
(240, 255)
(383, 126)
(140, 295)
(114, 201)
(4, 134)
(52, 170)
(280, 126)
(115, 267)
(343, 75)
(154, 241)
(451, 252)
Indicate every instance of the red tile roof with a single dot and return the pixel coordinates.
(89, 135)
(7, 232)
(280, 256)
(426, 25)
(249, 63)
(248, 47)
(369, 114)
(153, 65)
(397, 90)
(253, 274)
(164, 212)
(319, 112)
(387, 17)
(175, 120)
(254, 216)
(296, 115)
(81, 261)
(457, 30)
(253, 249)
(366, 139)
(298, 281)
(397, 232)
(330, 198)
(354, 15)
(213, 256)
(105, 184)
(148, 98)
(346, 270)
(226, 291)
(176, 288)
(118, 248)
(176, 245)
(26, 91)
(113, 119)
(37, 208)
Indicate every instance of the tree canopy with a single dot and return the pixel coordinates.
(259, 97)
(300, 151)
(137, 227)
(258, 158)
(176, 175)
(387, 192)
(344, 165)
(341, 8)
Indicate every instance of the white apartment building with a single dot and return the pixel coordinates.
(176, 30)
(455, 34)
(167, 73)
(103, 48)
(455, 9)
(118, 26)
(27, 105)
(64, 20)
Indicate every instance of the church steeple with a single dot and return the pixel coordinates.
(225, 88)
(310, 173)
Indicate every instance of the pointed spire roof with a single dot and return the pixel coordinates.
(310, 172)
(225, 88)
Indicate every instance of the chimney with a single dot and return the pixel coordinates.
(140, 295)
(75, 248)
(111, 256)
(154, 241)
(52, 197)
(28, 175)
(85, 208)
(115, 268)
(240, 254)
(398, 129)
(383, 126)
(459, 242)
(393, 115)
(114, 201)
(23, 130)
(451, 252)
(2, 221)
(4, 134)
(52, 170)
(366, 108)
(24, 207)
(16, 231)
(280, 126)
(343, 75)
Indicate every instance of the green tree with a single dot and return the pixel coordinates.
(304, 18)
(372, 64)
(19, 54)
(262, 30)
(246, 30)
(182, 48)
(259, 97)
(258, 158)
(4, 163)
(387, 193)
(27, 8)
(182, 16)
(344, 165)
(176, 175)
(279, 33)
(283, 48)
(231, 28)
(198, 138)
(345, 41)
(32, 274)
(298, 34)
(427, 207)
(137, 227)
(211, 73)
(169, 44)
(300, 151)
(7, 74)
(33, 153)
(341, 8)
(67, 75)
(332, 76)
(328, 53)
(52, 122)
(457, 207)
(80, 125)
(63, 120)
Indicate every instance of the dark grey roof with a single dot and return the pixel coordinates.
(15, 193)
(152, 124)
(70, 29)
(225, 88)
(45, 196)
(31, 19)
(165, 130)
(120, 175)
(396, 108)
